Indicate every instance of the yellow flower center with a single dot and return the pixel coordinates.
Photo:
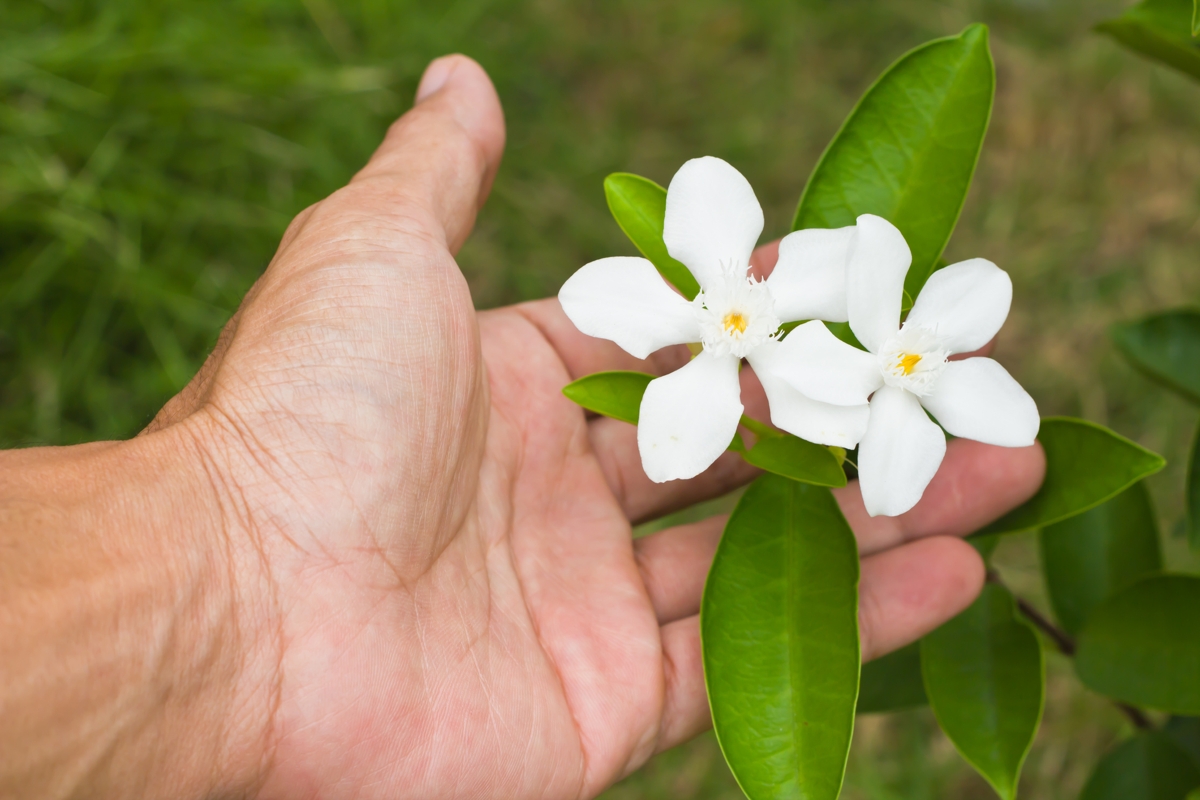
(734, 321)
(908, 362)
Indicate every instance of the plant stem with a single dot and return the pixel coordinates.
(1139, 720)
(1061, 638)
(1066, 645)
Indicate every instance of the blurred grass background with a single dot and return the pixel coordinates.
(151, 155)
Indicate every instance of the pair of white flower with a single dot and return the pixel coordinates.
(818, 387)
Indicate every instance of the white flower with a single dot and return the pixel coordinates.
(712, 223)
(960, 309)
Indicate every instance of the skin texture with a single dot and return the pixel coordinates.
(372, 551)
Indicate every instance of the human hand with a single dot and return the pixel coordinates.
(428, 548)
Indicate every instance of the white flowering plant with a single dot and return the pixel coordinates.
(865, 343)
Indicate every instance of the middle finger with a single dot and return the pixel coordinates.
(976, 484)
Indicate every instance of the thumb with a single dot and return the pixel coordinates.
(437, 162)
(428, 178)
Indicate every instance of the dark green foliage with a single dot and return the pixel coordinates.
(1162, 30)
(1142, 645)
(1166, 347)
(1088, 558)
(1086, 464)
(892, 682)
(1150, 766)
(1191, 496)
(985, 680)
(908, 151)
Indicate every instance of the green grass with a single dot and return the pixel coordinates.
(151, 155)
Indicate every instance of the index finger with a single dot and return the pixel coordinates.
(976, 484)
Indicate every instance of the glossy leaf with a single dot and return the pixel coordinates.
(797, 459)
(892, 682)
(1195, 17)
(1150, 766)
(1166, 347)
(1142, 645)
(1192, 491)
(613, 394)
(908, 150)
(985, 679)
(1160, 30)
(638, 205)
(779, 626)
(1086, 464)
(1090, 557)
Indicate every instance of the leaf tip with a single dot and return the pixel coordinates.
(571, 391)
(975, 33)
(611, 182)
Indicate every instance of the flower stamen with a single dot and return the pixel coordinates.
(734, 321)
(912, 359)
(736, 314)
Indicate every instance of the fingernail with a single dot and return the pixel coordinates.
(435, 77)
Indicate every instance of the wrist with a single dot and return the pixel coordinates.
(221, 691)
(136, 655)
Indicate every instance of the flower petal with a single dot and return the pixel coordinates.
(977, 399)
(713, 219)
(689, 417)
(878, 263)
(825, 368)
(823, 423)
(899, 454)
(626, 301)
(809, 280)
(964, 303)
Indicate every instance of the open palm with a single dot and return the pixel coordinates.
(439, 594)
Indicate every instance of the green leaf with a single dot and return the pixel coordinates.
(986, 682)
(1192, 491)
(908, 150)
(1161, 30)
(1195, 17)
(985, 546)
(1090, 557)
(1185, 731)
(1086, 464)
(892, 682)
(1150, 766)
(613, 394)
(779, 628)
(842, 331)
(797, 459)
(1166, 347)
(1142, 645)
(638, 205)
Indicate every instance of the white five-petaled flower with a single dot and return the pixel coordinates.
(712, 223)
(959, 310)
